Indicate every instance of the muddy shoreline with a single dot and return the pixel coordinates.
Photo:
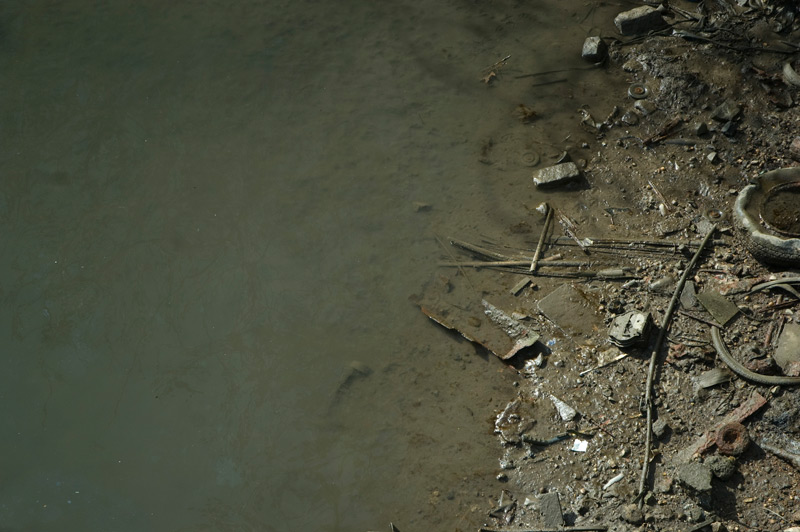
(710, 108)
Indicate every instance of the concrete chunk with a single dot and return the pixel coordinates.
(551, 511)
(695, 475)
(595, 49)
(556, 175)
(639, 20)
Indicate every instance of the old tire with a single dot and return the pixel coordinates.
(762, 244)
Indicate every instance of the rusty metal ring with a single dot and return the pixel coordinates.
(732, 439)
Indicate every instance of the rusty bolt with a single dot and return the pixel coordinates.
(732, 439)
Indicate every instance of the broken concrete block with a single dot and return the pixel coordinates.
(595, 50)
(551, 510)
(695, 475)
(556, 175)
(639, 20)
(787, 355)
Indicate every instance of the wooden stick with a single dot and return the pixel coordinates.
(547, 218)
(500, 263)
(648, 398)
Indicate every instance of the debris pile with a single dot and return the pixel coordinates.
(657, 357)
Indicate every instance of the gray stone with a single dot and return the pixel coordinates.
(700, 129)
(695, 475)
(689, 295)
(662, 484)
(630, 118)
(595, 50)
(660, 428)
(787, 355)
(551, 510)
(712, 157)
(730, 128)
(726, 112)
(645, 107)
(722, 467)
(639, 20)
(632, 514)
(556, 175)
(794, 149)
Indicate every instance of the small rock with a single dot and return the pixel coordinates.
(595, 49)
(716, 526)
(632, 514)
(695, 475)
(700, 129)
(556, 175)
(722, 467)
(639, 20)
(663, 484)
(694, 514)
(726, 112)
(630, 118)
(794, 149)
(502, 477)
(712, 157)
(660, 428)
(645, 107)
(566, 412)
(730, 128)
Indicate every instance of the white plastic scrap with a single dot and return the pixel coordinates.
(613, 481)
(566, 412)
(580, 446)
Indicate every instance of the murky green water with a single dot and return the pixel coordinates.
(208, 211)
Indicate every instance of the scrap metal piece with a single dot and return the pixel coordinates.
(705, 441)
(630, 328)
(721, 308)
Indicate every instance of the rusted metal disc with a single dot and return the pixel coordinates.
(732, 439)
(638, 91)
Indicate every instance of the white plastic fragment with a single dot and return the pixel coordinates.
(613, 481)
(580, 446)
(566, 412)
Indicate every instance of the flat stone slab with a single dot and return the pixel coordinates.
(695, 475)
(551, 511)
(639, 20)
(556, 175)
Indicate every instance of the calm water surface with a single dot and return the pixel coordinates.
(208, 213)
